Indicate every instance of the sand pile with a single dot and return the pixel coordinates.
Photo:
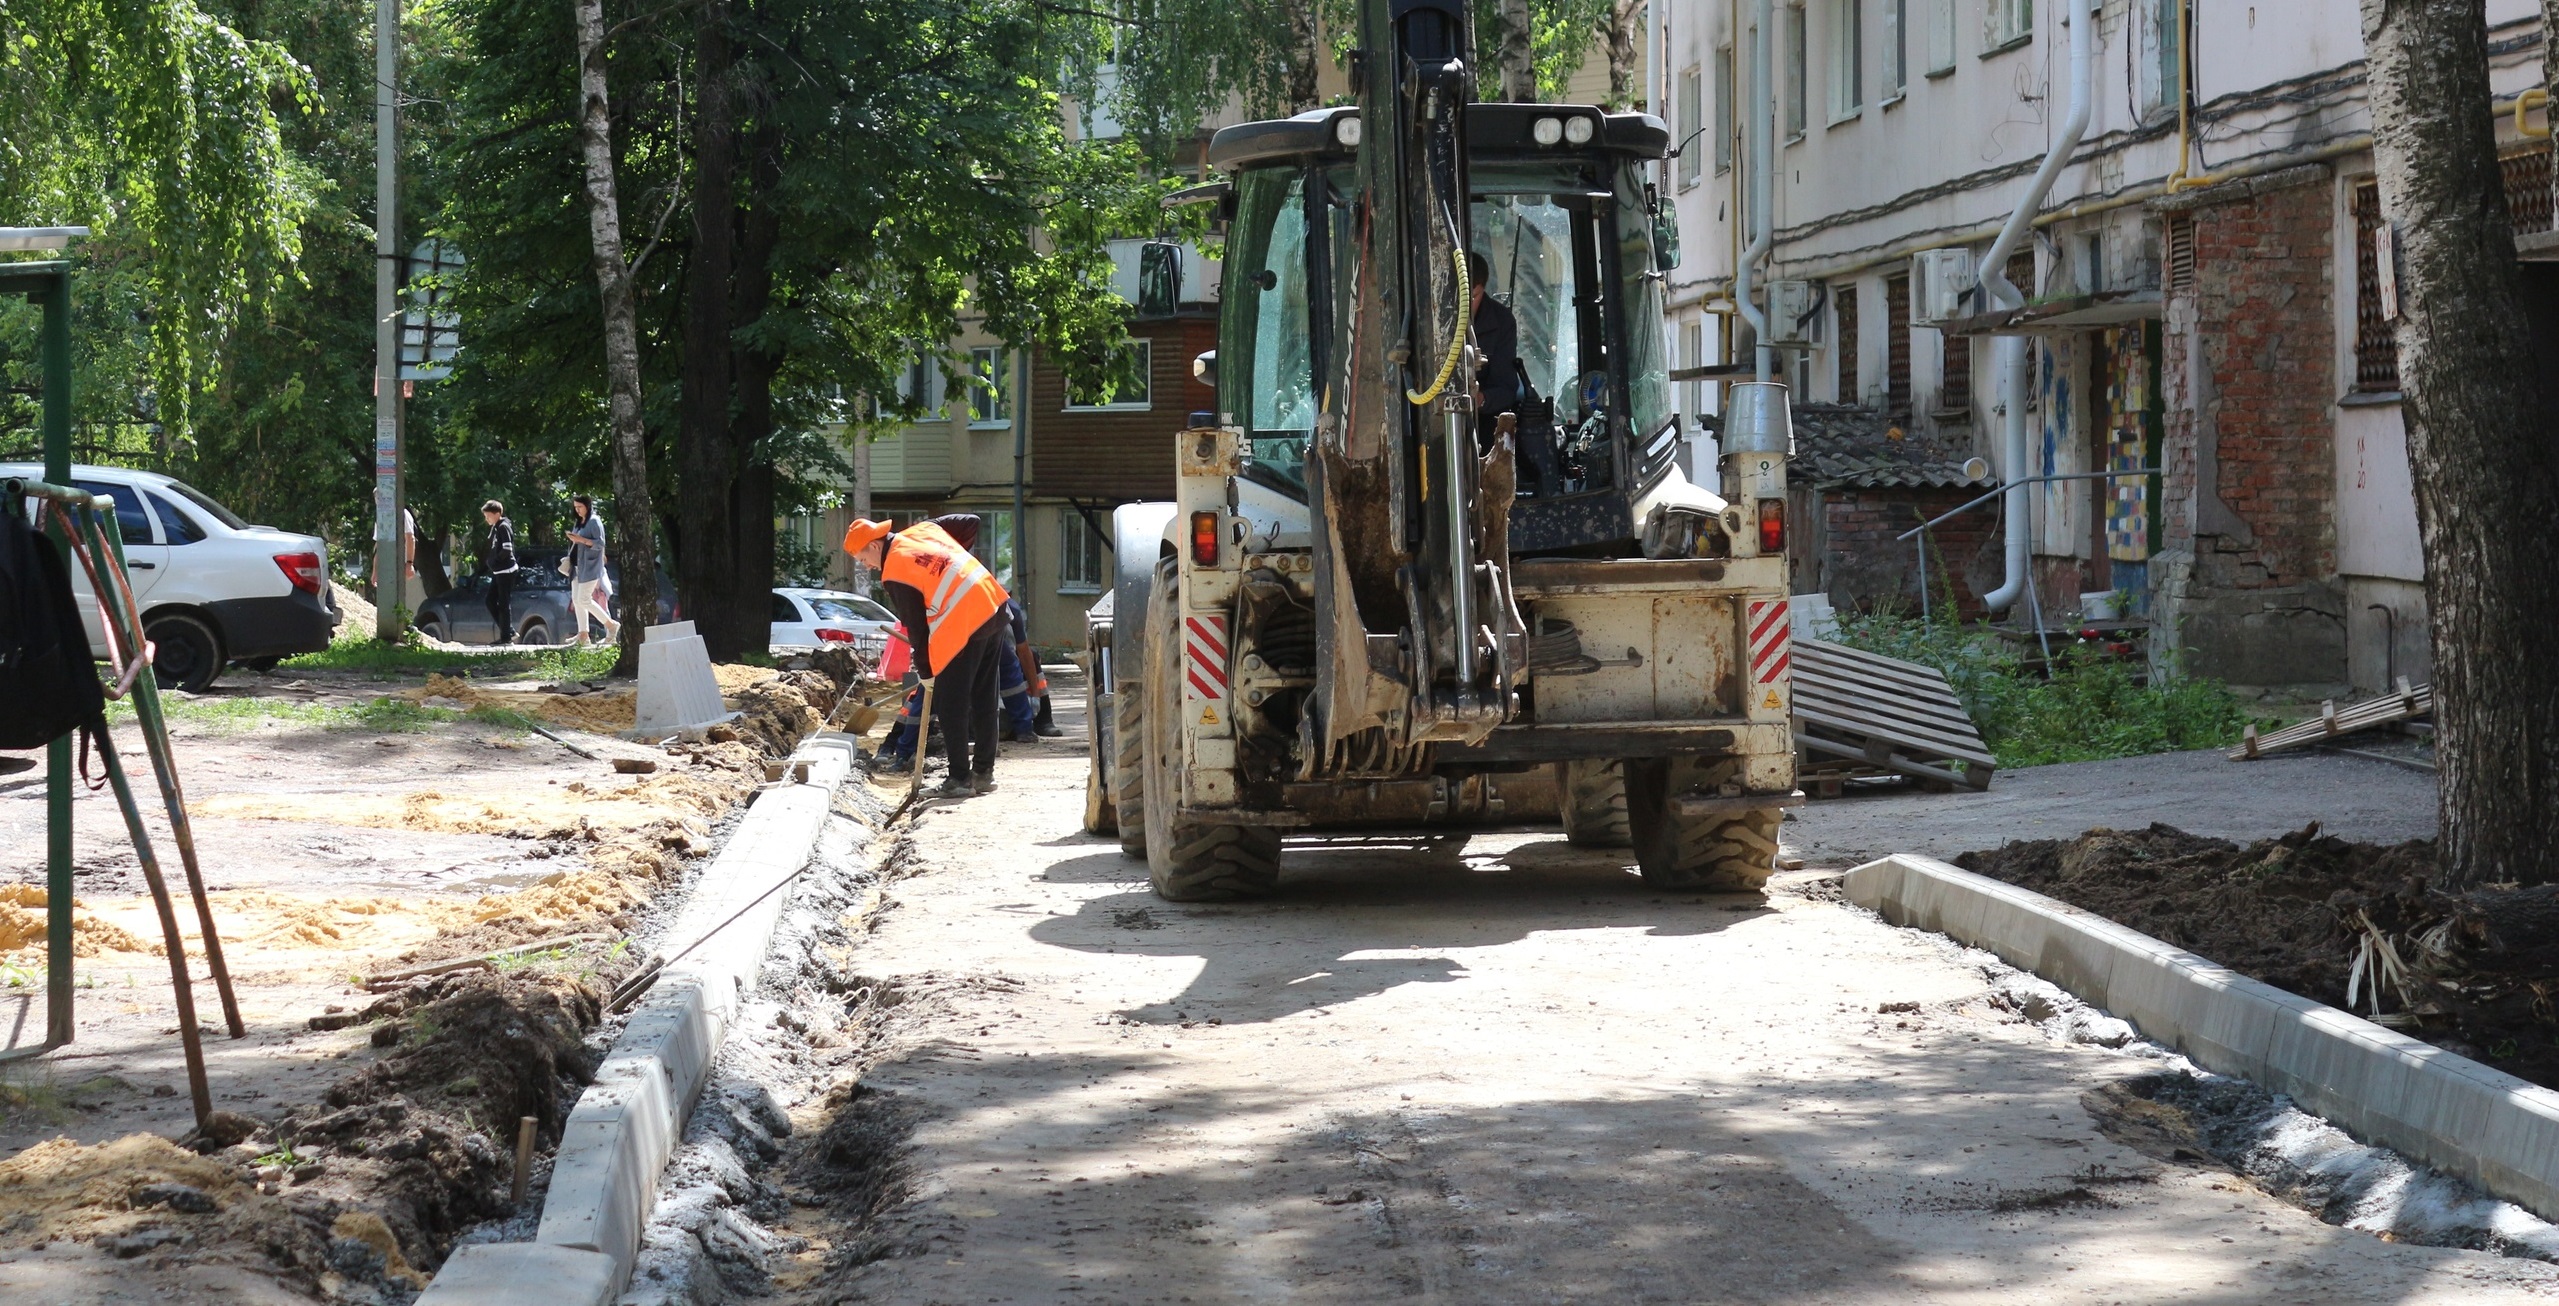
(22, 926)
(604, 712)
(359, 616)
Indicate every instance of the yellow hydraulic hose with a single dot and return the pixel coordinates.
(1457, 342)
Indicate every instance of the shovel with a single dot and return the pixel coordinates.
(923, 734)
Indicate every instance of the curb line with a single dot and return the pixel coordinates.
(618, 1137)
(2484, 1126)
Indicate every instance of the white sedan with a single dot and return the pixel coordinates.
(806, 618)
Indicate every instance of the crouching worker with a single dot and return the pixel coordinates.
(952, 608)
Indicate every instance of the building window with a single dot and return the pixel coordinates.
(995, 545)
(1941, 36)
(2376, 345)
(1847, 59)
(1790, 27)
(1692, 353)
(1897, 345)
(1955, 376)
(1895, 75)
(2005, 24)
(1725, 96)
(990, 387)
(921, 386)
(1079, 555)
(1124, 385)
(2155, 93)
(1691, 159)
(1844, 297)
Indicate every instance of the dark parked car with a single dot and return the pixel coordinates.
(539, 608)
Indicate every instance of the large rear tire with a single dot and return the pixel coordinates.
(1594, 803)
(1188, 861)
(1128, 763)
(1723, 851)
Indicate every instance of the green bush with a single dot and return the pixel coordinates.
(2089, 707)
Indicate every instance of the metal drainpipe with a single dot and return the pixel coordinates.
(2014, 378)
(1762, 161)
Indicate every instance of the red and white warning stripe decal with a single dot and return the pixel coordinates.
(1768, 647)
(1204, 645)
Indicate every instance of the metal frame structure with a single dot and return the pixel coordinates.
(83, 525)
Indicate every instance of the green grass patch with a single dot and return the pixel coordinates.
(240, 715)
(359, 651)
(507, 718)
(2088, 708)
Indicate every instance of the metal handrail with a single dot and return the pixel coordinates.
(2034, 601)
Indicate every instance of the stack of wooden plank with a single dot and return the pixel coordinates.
(1861, 714)
(2405, 702)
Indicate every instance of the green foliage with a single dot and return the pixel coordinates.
(507, 718)
(2089, 707)
(159, 125)
(359, 651)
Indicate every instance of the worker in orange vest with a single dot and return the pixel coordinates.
(952, 607)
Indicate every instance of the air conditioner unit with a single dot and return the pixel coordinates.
(1943, 286)
(1794, 315)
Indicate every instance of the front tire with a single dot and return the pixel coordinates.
(1594, 803)
(1101, 799)
(189, 652)
(1189, 861)
(1731, 851)
(535, 631)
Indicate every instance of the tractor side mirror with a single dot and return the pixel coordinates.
(1204, 368)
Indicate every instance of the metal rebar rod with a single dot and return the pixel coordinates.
(1986, 497)
(188, 1035)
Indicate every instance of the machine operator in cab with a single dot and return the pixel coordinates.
(953, 610)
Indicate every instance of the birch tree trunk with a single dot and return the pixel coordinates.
(1518, 54)
(2480, 443)
(634, 533)
(1623, 29)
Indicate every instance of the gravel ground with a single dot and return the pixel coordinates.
(1500, 1070)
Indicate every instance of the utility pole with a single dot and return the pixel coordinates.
(390, 572)
(1021, 457)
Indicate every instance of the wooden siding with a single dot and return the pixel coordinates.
(1127, 455)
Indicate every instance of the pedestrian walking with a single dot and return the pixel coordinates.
(952, 608)
(499, 561)
(586, 573)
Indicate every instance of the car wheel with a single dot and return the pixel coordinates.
(536, 631)
(189, 653)
(431, 628)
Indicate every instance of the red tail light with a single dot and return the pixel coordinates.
(1772, 525)
(1204, 539)
(828, 635)
(303, 569)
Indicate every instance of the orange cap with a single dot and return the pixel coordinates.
(859, 535)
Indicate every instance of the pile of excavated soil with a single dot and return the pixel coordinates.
(2481, 966)
(22, 926)
(604, 712)
(355, 611)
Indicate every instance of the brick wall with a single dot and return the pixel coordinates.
(1853, 557)
(2248, 581)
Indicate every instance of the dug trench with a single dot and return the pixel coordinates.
(359, 1191)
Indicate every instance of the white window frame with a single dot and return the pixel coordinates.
(1941, 37)
(1146, 349)
(1727, 94)
(1790, 28)
(2006, 25)
(2155, 59)
(923, 383)
(1892, 77)
(1080, 567)
(1692, 109)
(1847, 60)
(990, 388)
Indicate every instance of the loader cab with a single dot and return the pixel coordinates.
(1564, 221)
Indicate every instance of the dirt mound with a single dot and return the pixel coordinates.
(146, 1199)
(603, 712)
(356, 612)
(2319, 915)
(22, 926)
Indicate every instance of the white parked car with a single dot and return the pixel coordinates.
(806, 618)
(213, 589)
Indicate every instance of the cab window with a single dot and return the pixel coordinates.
(132, 522)
(174, 522)
(1266, 377)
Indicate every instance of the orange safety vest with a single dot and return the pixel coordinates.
(960, 594)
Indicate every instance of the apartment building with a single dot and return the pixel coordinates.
(2207, 295)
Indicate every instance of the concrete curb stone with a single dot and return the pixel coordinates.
(2447, 1111)
(624, 1127)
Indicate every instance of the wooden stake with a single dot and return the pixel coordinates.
(523, 1157)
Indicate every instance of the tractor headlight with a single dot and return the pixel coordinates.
(1547, 131)
(1578, 130)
